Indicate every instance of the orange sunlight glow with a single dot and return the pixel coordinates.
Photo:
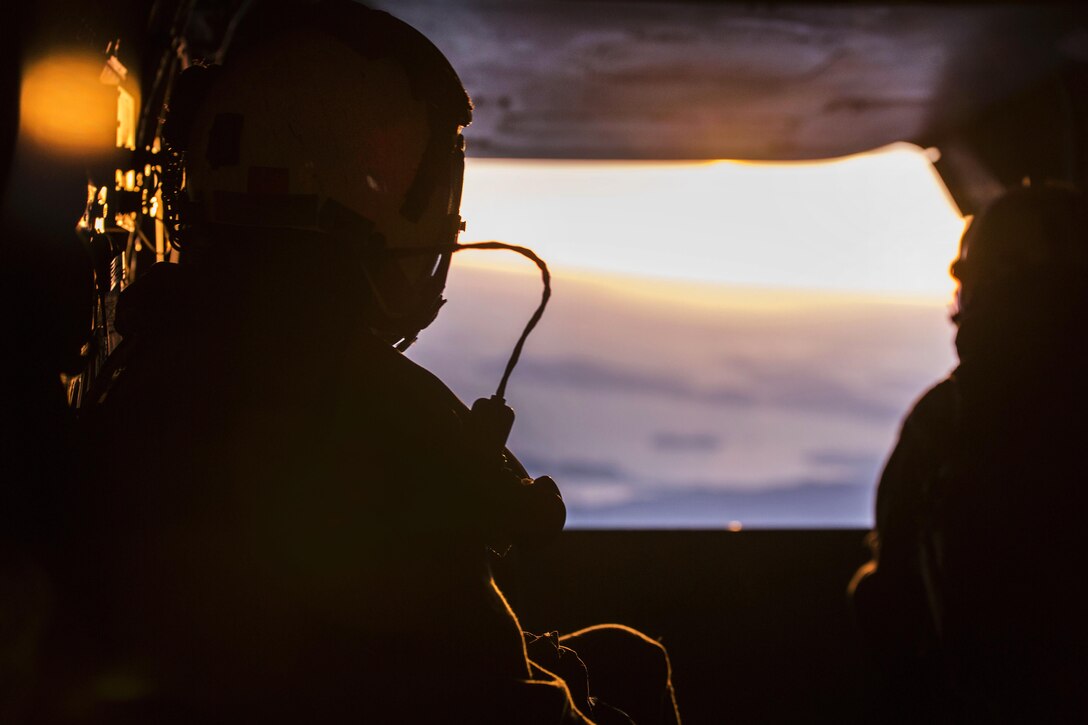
(878, 223)
(65, 106)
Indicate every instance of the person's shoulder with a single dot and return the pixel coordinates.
(396, 364)
(938, 406)
(390, 374)
(931, 429)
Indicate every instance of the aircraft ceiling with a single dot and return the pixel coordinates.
(685, 80)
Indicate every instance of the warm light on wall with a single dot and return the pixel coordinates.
(126, 120)
(65, 106)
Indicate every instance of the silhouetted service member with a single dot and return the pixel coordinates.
(291, 520)
(976, 596)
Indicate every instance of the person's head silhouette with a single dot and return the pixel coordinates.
(1021, 272)
(332, 123)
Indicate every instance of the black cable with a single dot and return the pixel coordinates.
(545, 277)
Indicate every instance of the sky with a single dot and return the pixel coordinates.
(725, 366)
(641, 407)
(878, 223)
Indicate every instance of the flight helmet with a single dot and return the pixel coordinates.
(333, 120)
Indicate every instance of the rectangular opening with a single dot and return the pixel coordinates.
(729, 345)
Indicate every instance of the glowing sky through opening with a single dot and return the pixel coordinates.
(727, 341)
(875, 223)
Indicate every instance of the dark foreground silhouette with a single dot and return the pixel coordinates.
(974, 602)
(279, 517)
(298, 528)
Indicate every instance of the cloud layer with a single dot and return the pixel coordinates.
(659, 406)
